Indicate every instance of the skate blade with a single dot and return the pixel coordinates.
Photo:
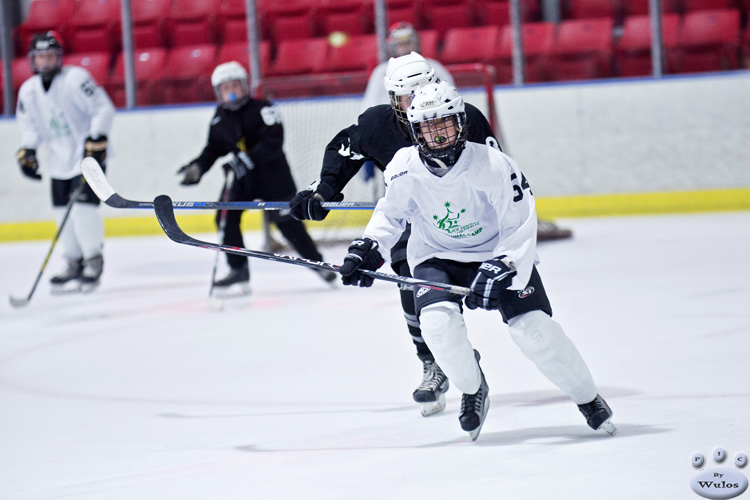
(65, 288)
(89, 287)
(475, 433)
(230, 292)
(434, 407)
(608, 427)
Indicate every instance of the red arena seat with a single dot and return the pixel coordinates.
(709, 40)
(299, 57)
(192, 22)
(464, 45)
(583, 50)
(147, 68)
(95, 26)
(187, 74)
(149, 19)
(96, 63)
(538, 41)
(239, 51)
(633, 49)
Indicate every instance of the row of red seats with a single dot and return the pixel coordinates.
(94, 25)
(586, 48)
(620, 9)
(570, 50)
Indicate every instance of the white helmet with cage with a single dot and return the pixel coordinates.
(405, 75)
(229, 72)
(437, 123)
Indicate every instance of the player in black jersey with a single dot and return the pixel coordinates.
(380, 132)
(252, 130)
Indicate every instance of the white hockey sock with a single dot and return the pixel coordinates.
(543, 341)
(89, 228)
(444, 331)
(71, 248)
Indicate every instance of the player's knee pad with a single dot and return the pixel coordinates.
(444, 330)
(442, 324)
(544, 342)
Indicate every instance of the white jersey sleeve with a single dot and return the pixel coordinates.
(394, 210)
(516, 211)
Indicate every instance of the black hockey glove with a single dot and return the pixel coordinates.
(493, 277)
(239, 168)
(96, 148)
(29, 165)
(363, 254)
(306, 205)
(192, 174)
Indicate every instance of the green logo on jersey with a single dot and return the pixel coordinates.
(450, 223)
(58, 125)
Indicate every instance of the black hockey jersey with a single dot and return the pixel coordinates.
(376, 137)
(255, 135)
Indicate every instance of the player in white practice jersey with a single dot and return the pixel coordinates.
(63, 107)
(473, 221)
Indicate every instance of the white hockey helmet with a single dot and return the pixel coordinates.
(229, 72)
(405, 75)
(437, 123)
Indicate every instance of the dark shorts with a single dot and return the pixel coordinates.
(514, 303)
(62, 189)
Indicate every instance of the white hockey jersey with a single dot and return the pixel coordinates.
(73, 108)
(481, 209)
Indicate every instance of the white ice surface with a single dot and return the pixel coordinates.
(139, 391)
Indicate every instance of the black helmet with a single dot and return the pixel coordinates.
(46, 43)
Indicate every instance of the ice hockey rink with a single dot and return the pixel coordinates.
(140, 391)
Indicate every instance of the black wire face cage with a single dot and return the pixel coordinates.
(436, 141)
(400, 113)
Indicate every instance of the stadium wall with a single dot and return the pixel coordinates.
(617, 147)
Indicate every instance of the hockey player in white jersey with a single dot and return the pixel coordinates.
(63, 107)
(473, 221)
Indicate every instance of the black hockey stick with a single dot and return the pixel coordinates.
(164, 210)
(101, 186)
(22, 302)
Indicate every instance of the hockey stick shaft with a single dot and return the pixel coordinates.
(165, 214)
(94, 174)
(228, 181)
(22, 302)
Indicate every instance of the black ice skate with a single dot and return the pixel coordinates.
(68, 280)
(598, 415)
(237, 279)
(474, 407)
(92, 273)
(431, 392)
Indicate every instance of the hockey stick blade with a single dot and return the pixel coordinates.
(94, 175)
(18, 303)
(164, 209)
